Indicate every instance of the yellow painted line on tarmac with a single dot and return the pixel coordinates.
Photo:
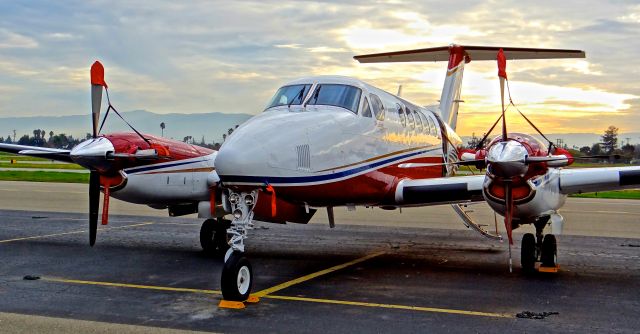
(286, 298)
(305, 278)
(72, 232)
(391, 306)
(132, 286)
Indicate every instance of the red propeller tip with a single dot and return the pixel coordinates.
(97, 74)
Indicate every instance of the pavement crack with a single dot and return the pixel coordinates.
(535, 315)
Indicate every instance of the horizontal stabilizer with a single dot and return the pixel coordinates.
(474, 52)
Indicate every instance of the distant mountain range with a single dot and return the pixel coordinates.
(209, 125)
(578, 140)
(177, 126)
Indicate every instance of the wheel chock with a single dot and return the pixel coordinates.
(231, 304)
(543, 269)
(253, 299)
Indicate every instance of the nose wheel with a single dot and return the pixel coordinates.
(237, 277)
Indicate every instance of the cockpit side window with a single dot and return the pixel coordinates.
(344, 96)
(289, 95)
(366, 109)
(378, 108)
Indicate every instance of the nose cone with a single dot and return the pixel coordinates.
(242, 155)
(92, 154)
(507, 159)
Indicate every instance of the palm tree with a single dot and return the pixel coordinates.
(162, 126)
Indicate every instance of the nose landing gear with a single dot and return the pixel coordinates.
(237, 274)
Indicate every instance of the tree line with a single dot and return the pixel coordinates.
(608, 147)
(41, 139)
(64, 141)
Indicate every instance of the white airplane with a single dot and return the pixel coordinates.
(334, 141)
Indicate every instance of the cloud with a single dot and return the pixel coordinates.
(10, 40)
(202, 56)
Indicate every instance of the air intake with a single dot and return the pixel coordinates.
(304, 157)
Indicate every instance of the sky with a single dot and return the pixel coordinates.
(231, 56)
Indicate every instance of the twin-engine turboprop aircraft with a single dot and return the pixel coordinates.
(142, 169)
(335, 141)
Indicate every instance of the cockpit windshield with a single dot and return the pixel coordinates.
(344, 96)
(289, 95)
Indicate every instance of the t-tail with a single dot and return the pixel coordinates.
(458, 56)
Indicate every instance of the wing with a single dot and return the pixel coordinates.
(442, 190)
(40, 152)
(580, 180)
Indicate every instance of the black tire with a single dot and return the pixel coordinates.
(528, 253)
(549, 251)
(213, 237)
(221, 238)
(207, 234)
(235, 273)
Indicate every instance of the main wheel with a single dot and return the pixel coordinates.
(237, 278)
(528, 253)
(549, 251)
(213, 236)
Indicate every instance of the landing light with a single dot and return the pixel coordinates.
(248, 200)
(237, 214)
(234, 198)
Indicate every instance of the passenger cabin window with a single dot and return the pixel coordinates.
(289, 95)
(403, 117)
(410, 119)
(344, 96)
(378, 108)
(418, 121)
(434, 127)
(366, 109)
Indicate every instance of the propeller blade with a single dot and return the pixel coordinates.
(94, 205)
(502, 65)
(97, 82)
(508, 217)
(508, 213)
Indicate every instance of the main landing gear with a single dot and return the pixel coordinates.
(213, 237)
(539, 248)
(237, 275)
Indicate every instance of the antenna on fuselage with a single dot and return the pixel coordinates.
(399, 90)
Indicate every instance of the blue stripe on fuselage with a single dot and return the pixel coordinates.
(315, 178)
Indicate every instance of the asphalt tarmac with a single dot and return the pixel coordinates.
(376, 271)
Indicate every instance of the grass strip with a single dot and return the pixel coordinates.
(21, 164)
(39, 176)
(616, 194)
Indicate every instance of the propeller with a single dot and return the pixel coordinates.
(508, 194)
(97, 83)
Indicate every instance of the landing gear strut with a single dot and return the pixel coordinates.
(237, 275)
(213, 236)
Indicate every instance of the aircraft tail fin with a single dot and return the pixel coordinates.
(457, 56)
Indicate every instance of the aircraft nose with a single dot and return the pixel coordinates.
(93, 153)
(240, 156)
